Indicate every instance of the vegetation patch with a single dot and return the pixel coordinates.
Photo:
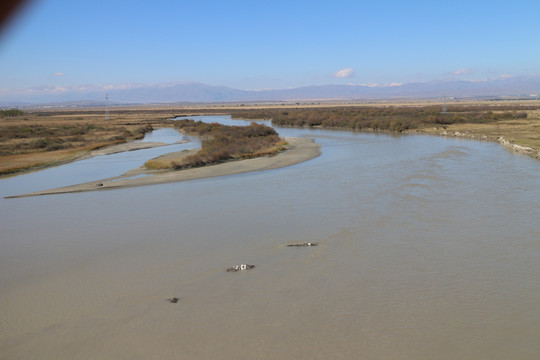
(518, 123)
(168, 161)
(11, 113)
(386, 118)
(222, 143)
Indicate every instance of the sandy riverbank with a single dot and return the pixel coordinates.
(130, 146)
(299, 150)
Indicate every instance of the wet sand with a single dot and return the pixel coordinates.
(299, 150)
(130, 146)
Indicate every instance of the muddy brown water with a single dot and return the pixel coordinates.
(428, 248)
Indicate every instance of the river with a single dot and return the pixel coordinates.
(429, 248)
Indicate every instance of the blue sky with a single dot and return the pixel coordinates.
(267, 44)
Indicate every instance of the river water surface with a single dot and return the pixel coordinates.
(429, 248)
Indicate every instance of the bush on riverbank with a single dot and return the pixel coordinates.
(221, 143)
(395, 118)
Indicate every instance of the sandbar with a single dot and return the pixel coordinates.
(130, 146)
(298, 150)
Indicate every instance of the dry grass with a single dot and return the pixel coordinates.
(43, 138)
(524, 132)
(169, 161)
(16, 163)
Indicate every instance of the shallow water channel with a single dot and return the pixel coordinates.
(429, 248)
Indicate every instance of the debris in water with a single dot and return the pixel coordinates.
(241, 267)
(173, 300)
(304, 244)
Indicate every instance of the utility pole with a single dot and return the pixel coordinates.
(107, 106)
(444, 109)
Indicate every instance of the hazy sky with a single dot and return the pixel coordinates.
(267, 44)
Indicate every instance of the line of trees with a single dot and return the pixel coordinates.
(393, 118)
(11, 113)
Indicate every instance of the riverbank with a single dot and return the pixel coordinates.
(298, 150)
(514, 125)
(467, 134)
(520, 136)
(73, 133)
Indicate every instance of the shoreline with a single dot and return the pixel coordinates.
(83, 155)
(501, 140)
(299, 150)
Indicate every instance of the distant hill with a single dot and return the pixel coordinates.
(201, 93)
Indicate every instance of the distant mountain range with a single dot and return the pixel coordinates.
(94, 95)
